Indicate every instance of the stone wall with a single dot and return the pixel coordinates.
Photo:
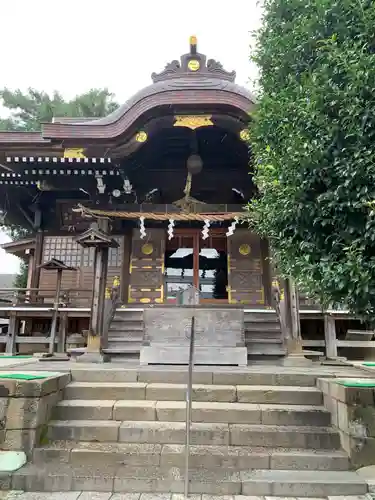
(353, 413)
(219, 336)
(25, 408)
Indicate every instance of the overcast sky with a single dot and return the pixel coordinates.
(75, 45)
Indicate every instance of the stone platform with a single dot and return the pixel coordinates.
(219, 336)
(259, 430)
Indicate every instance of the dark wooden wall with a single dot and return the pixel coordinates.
(64, 248)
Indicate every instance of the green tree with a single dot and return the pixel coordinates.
(28, 110)
(313, 138)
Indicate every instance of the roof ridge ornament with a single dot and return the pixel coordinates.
(195, 64)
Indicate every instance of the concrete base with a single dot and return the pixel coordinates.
(93, 357)
(296, 360)
(339, 361)
(219, 336)
(176, 355)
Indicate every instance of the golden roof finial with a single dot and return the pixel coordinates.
(193, 44)
(193, 40)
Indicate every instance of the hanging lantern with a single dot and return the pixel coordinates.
(194, 164)
(142, 228)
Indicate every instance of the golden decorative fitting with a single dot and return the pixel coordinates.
(74, 153)
(147, 249)
(107, 293)
(193, 121)
(193, 40)
(141, 136)
(244, 249)
(145, 300)
(245, 135)
(193, 65)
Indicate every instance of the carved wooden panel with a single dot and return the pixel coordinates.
(245, 281)
(147, 267)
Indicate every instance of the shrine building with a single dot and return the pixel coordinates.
(165, 177)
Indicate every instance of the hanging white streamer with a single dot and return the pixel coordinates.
(232, 227)
(206, 229)
(142, 228)
(170, 229)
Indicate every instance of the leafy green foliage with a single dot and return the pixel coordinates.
(313, 139)
(30, 109)
(21, 278)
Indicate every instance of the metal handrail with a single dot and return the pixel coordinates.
(189, 392)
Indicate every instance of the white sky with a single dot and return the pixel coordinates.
(75, 45)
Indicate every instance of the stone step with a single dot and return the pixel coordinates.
(130, 479)
(122, 351)
(154, 432)
(128, 319)
(260, 317)
(175, 411)
(125, 335)
(127, 312)
(125, 345)
(258, 326)
(200, 392)
(262, 334)
(266, 375)
(131, 316)
(210, 457)
(265, 340)
(265, 349)
(126, 326)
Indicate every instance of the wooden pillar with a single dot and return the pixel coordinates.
(13, 330)
(125, 274)
(330, 336)
(293, 338)
(100, 280)
(30, 268)
(62, 332)
(97, 236)
(38, 253)
(266, 272)
(55, 314)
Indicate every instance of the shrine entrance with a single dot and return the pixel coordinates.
(191, 260)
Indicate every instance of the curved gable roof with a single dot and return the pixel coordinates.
(206, 85)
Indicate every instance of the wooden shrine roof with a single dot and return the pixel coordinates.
(192, 82)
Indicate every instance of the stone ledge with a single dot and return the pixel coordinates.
(26, 407)
(351, 404)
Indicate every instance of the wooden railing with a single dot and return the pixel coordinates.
(71, 297)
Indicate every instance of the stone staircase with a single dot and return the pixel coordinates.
(263, 335)
(253, 433)
(126, 333)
